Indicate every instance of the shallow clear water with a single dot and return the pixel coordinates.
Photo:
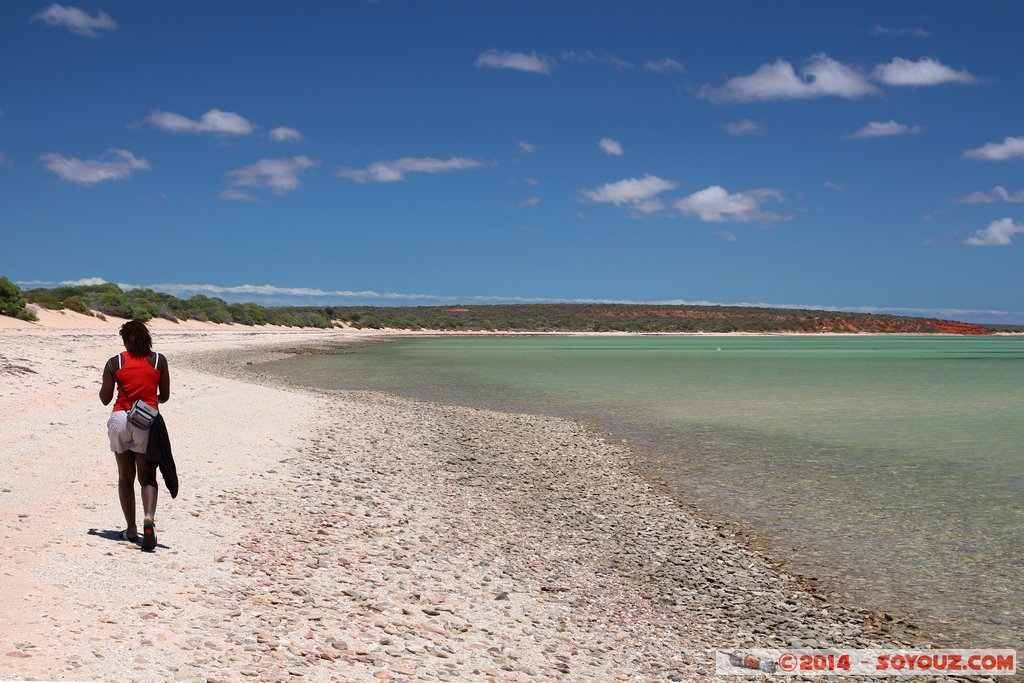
(891, 467)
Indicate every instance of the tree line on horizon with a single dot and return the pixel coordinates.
(146, 304)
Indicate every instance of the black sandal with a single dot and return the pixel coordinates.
(124, 536)
(148, 535)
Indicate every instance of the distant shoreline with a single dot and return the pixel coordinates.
(66, 319)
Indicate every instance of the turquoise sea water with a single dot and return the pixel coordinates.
(890, 467)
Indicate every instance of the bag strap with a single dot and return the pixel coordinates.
(113, 372)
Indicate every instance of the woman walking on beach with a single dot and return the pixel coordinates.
(139, 374)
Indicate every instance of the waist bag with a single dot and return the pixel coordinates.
(141, 414)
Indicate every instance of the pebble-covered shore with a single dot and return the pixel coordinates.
(416, 541)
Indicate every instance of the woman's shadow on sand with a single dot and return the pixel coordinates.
(115, 535)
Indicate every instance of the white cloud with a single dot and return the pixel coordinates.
(77, 21)
(976, 198)
(879, 129)
(532, 181)
(638, 193)
(530, 202)
(236, 196)
(830, 185)
(612, 148)
(715, 205)
(663, 66)
(820, 76)
(998, 194)
(236, 291)
(213, 121)
(284, 134)
(5, 160)
(396, 170)
(526, 148)
(117, 164)
(272, 294)
(926, 71)
(582, 57)
(279, 175)
(727, 235)
(519, 61)
(620, 64)
(998, 151)
(997, 234)
(909, 31)
(743, 127)
(83, 282)
(589, 56)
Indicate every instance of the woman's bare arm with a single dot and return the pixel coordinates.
(165, 381)
(107, 387)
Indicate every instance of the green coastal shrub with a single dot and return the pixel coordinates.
(12, 302)
(45, 299)
(113, 303)
(247, 314)
(207, 309)
(76, 304)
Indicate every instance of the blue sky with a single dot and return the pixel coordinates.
(856, 155)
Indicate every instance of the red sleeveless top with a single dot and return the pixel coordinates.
(139, 378)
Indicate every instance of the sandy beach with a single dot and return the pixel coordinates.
(353, 536)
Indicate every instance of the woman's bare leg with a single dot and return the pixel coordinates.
(126, 489)
(147, 477)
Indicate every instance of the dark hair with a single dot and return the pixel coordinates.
(136, 338)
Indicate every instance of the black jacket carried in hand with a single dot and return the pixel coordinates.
(159, 452)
